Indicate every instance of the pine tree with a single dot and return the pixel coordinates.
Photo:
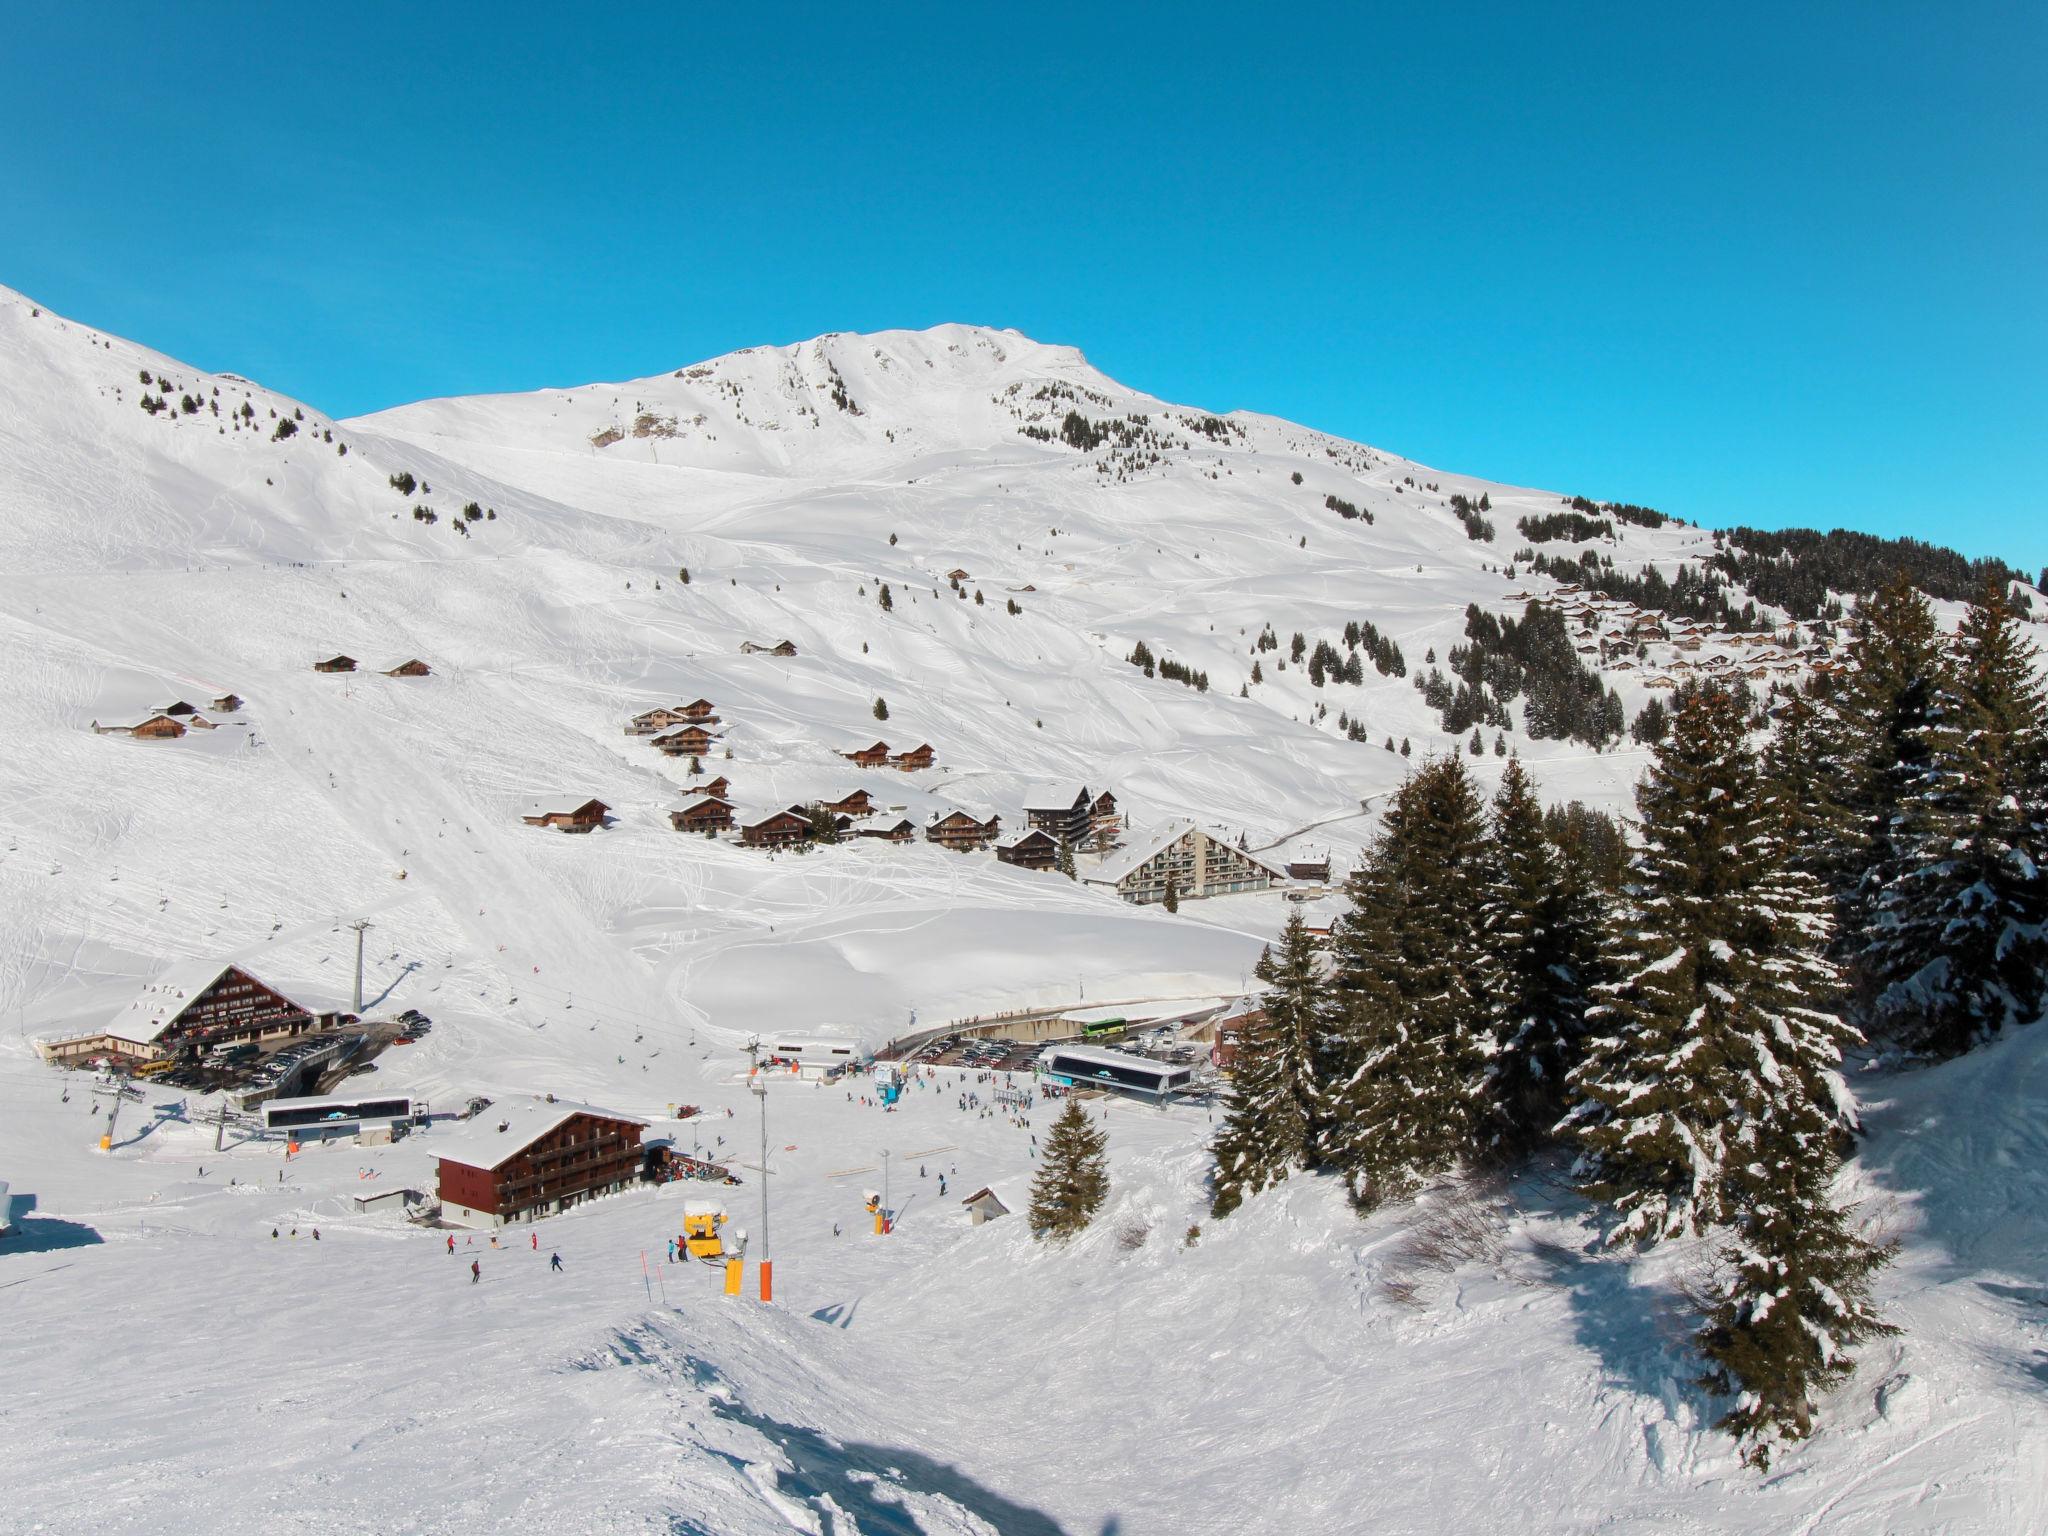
(886, 600)
(1795, 1288)
(1269, 1129)
(1073, 1175)
(1541, 928)
(1171, 900)
(1719, 993)
(1960, 934)
(881, 709)
(1404, 1057)
(1877, 736)
(1064, 860)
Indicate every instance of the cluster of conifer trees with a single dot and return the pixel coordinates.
(1870, 869)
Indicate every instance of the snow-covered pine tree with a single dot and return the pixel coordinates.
(1540, 931)
(1269, 1128)
(1718, 962)
(1961, 937)
(1404, 1060)
(1794, 1291)
(1073, 1175)
(1877, 733)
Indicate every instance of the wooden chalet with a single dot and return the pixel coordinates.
(196, 1004)
(704, 814)
(873, 756)
(719, 788)
(1036, 849)
(336, 664)
(412, 668)
(901, 830)
(179, 708)
(702, 710)
(227, 704)
(957, 574)
(521, 1161)
(1105, 821)
(565, 815)
(159, 728)
(1060, 809)
(918, 757)
(1310, 868)
(690, 741)
(962, 831)
(859, 803)
(779, 648)
(778, 829)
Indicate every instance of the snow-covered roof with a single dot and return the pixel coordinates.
(510, 1126)
(1054, 795)
(695, 802)
(158, 1005)
(559, 805)
(1131, 855)
(1018, 839)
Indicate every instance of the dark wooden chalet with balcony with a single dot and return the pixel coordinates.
(336, 664)
(194, 1004)
(519, 1161)
(565, 815)
(875, 755)
(1036, 849)
(784, 828)
(962, 831)
(227, 704)
(1060, 809)
(413, 668)
(703, 814)
(859, 803)
(918, 757)
(690, 741)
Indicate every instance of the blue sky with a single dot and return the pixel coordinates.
(1769, 264)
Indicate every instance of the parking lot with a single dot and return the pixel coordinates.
(250, 1069)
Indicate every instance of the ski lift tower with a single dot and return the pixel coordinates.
(759, 1084)
(116, 1093)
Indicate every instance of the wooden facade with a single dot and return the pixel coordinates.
(690, 741)
(779, 829)
(779, 648)
(961, 831)
(413, 668)
(1036, 849)
(1062, 812)
(918, 757)
(567, 818)
(859, 803)
(872, 756)
(159, 728)
(589, 1153)
(227, 704)
(719, 788)
(336, 664)
(901, 830)
(706, 815)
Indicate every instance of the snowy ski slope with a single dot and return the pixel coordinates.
(169, 1367)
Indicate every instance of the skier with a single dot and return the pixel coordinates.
(476, 1270)
(273, 1233)
(554, 1261)
(451, 1245)
(536, 1240)
(835, 1229)
(316, 1233)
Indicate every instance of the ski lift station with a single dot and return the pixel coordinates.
(815, 1055)
(371, 1118)
(1090, 1066)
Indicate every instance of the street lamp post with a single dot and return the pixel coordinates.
(761, 1094)
(888, 1221)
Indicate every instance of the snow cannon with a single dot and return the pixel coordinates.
(702, 1238)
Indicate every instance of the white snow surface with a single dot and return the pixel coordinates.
(168, 1366)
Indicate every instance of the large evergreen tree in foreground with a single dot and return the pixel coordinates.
(1073, 1175)
(1958, 927)
(1268, 1130)
(1403, 1059)
(1720, 986)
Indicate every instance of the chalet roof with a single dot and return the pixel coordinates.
(509, 1127)
(757, 815)
(1056, 795)
(561, 805)
(1036, 834)
(940, 818)
(872, 746)
(157, 1006)
(699, 802)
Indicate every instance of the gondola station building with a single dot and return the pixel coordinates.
(523, 1159)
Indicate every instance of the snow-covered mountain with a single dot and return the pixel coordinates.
(168, 534)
